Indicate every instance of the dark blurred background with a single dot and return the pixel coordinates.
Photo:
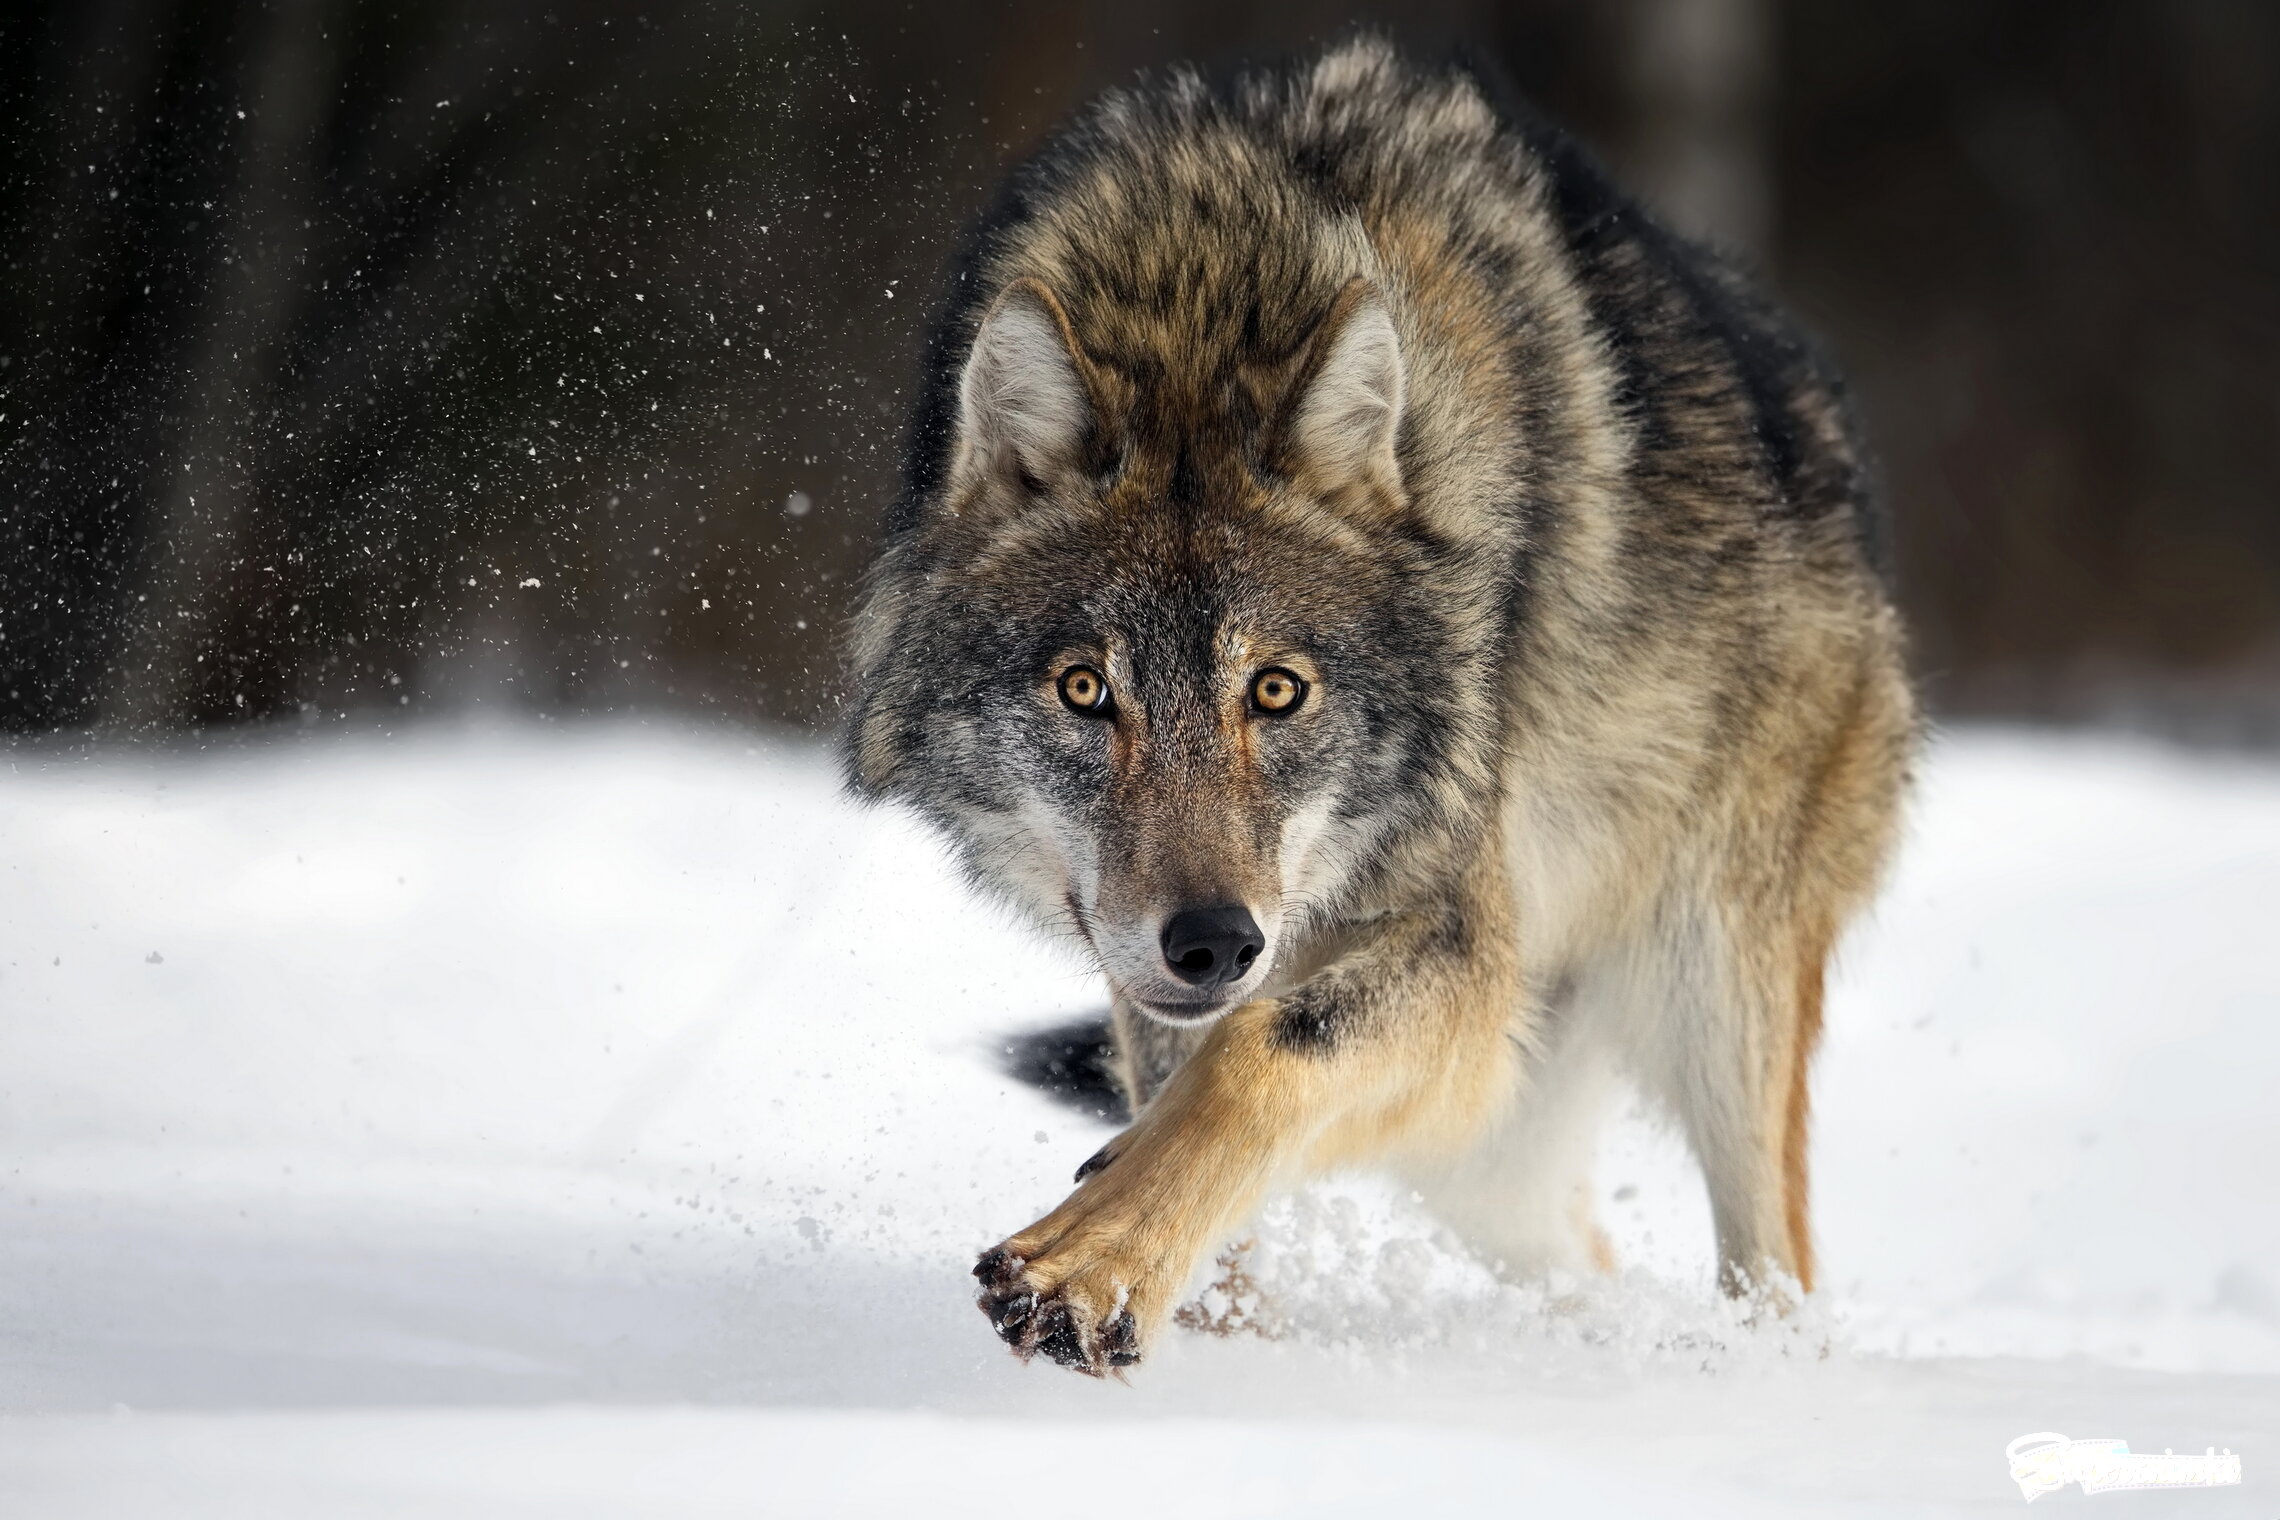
(363, 358)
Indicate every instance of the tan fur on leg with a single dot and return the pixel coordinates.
(1418, 1054)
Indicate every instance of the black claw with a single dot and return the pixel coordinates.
(1120, 1342)
(999, 1267)
(1061, 1340)
(1098, 1161)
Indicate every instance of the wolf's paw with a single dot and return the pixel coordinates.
(1082, 1322)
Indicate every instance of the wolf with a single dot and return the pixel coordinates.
(1420, 628)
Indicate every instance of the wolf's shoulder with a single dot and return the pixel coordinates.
(1198, 225)
(1206, 220)
(1347, 131)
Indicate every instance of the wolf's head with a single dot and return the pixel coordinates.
(1168, 654)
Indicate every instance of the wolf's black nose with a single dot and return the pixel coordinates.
(1208, 946)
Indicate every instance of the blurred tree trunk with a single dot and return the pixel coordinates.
(1700, 78)
(190, 562)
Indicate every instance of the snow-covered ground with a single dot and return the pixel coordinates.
(602, 1122)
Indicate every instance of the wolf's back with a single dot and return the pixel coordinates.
(1196, 230)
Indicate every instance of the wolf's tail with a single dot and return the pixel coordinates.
(1071, 1062)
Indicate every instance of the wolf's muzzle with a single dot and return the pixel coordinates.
(1210, 947)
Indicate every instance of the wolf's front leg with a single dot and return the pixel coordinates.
(1402, 1044)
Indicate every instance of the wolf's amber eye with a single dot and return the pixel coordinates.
(1085, 690)
(1277, 691)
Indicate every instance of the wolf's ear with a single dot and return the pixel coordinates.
(1348, 406)
(1022, 405)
